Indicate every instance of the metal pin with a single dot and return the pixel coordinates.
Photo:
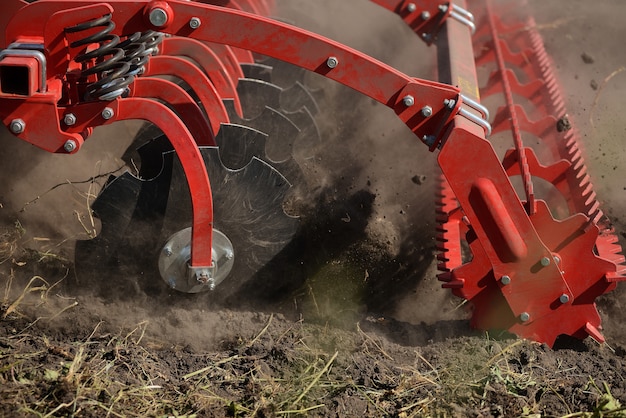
(332, 62)
(158, 17)
(524, 317)
(564, 298)
(505, 280)
(425, 15)
(411, 7)
(545, 261)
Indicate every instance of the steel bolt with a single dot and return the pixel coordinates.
(195, 22)
(408, 100)
(167, 251)
(202, 277)
(449, 103)
(429, 140)
(158, 17)
(564, 298)
(524, 317)
(427, 37)
(505, 280)
(69, 119)
(332, 62)
(17, 126)
(427, 111)
(229, 255)
(545, 261)
(107, 113)
(70, 145)
(443, 8)
(411, 7)
(425, 15)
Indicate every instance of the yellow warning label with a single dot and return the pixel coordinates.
(468, 88)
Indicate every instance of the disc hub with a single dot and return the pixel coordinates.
(179, 275)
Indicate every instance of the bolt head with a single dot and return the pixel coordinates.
(107, 113)
(545, 261)
(564, 298)
(427, 111)
(524, 317)
(408, 100)
(69, 119)
(449, 103)
(425, 15)
(429, 140)
(195, 22)
(443, 8)
(427, 37)
(411, 7)
(17, 126)
(332, 62)
(158, 17)
(167, 251)
(70, 145)
(505, 280)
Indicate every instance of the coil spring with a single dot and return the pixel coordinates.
(111, 65)
(138, 47)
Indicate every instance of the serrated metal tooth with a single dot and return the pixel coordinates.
(454, 284)
(445, 276)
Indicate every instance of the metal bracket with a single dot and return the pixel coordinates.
(481, 121)
(463, 16)
(29, 50)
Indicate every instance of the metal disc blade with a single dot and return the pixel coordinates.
(281, 131)
(247, 207)
(239, 144)
(257, 71)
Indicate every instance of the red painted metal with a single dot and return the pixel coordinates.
(240, 29)
(205, 90)
(182, 103)
(583, 253)
(215, 61)
(526, 271)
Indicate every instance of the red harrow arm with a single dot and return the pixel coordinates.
(70, 66)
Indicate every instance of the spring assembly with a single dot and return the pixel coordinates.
(111, 65)
(138, 47)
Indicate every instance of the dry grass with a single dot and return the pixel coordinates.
(278, 369)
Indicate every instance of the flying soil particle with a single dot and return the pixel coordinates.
(587, 59)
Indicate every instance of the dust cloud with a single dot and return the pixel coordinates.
(366, 221)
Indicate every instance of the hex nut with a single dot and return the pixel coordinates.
(195, 22)
(17, 126)
(107, 113)
(70, 145)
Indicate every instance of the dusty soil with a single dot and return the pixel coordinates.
(356, 325)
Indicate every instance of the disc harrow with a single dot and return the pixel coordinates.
(520, 234)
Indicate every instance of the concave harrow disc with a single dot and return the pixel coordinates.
(251, 172)
(553, 183)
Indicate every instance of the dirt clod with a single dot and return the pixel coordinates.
(587, 59)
